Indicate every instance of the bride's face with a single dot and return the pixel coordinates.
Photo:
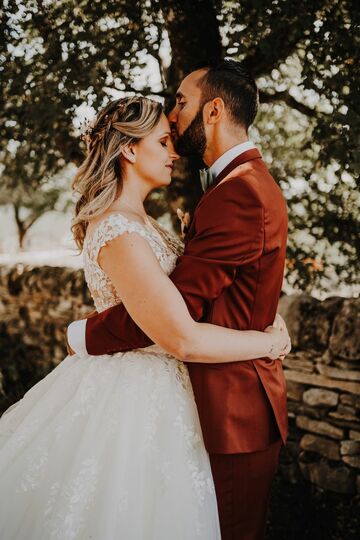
(155, 155)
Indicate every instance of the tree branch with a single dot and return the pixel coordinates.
(30, 222)
(281, 41)
(145, 90)
(264, 97)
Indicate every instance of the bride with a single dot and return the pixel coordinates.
(110, 447)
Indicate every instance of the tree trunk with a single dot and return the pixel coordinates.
(194, 36)
(21, 235)
(195, 40)
(23, 225)
(21, 230)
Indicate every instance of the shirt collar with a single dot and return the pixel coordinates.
(226, 158)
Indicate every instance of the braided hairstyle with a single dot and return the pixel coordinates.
(99, 179)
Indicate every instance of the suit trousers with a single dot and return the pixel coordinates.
(243, 484)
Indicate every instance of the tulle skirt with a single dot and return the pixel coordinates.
(107, 448)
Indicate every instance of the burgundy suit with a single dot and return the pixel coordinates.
(231, 275)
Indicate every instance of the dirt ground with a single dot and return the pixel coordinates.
(303, 512)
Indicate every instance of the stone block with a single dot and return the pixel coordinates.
(309, 321)
(300, 409)
(336, 373)
(326, 447)
(345, 413)
(311, 412)
(350, 400)
(318, 397)
(344, 364)
(350, 448)
(345, 336)
(340, 479)
(353, 461)
(295, 391)
(354, 435)
(308, 367)
(319, 427)
(322, 381)
(301, 361)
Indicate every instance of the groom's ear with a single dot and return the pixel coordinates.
(127, 151)
(213, 111)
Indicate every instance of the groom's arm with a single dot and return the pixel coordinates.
(230, 232)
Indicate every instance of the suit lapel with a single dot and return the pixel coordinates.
(249, 155)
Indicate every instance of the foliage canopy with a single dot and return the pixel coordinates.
(57, 57)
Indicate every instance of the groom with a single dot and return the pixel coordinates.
(230, 275)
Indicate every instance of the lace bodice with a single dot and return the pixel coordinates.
(165, 246)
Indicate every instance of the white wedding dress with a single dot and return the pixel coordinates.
(108, 447)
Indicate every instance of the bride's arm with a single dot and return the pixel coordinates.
(155, 304)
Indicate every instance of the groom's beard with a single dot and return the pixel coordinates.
(193, 140)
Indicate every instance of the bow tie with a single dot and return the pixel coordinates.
(206, 178)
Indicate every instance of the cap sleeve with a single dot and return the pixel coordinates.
(110, 228)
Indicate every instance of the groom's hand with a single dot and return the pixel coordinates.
(282, 343)
(280, 324)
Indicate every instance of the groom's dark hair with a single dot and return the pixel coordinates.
(230, 81)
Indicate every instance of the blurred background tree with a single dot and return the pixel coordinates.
(26, 186)
(60, 60)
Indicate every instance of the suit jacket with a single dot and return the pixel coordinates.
(231, 275)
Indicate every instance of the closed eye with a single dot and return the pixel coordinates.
(165, 139)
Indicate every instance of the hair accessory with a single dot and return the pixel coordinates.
(87, 131)
(92, 132)
(184, 220)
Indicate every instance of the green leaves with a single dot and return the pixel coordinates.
(58, 56)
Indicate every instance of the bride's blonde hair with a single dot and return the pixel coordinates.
(99, 179)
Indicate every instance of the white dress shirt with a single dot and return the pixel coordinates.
(226, 158)
(76, 332)
(76, 337)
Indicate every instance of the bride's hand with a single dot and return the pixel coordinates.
(281, 340)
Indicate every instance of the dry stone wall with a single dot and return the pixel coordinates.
(322, 372)
(36, 305)
(323, 378)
